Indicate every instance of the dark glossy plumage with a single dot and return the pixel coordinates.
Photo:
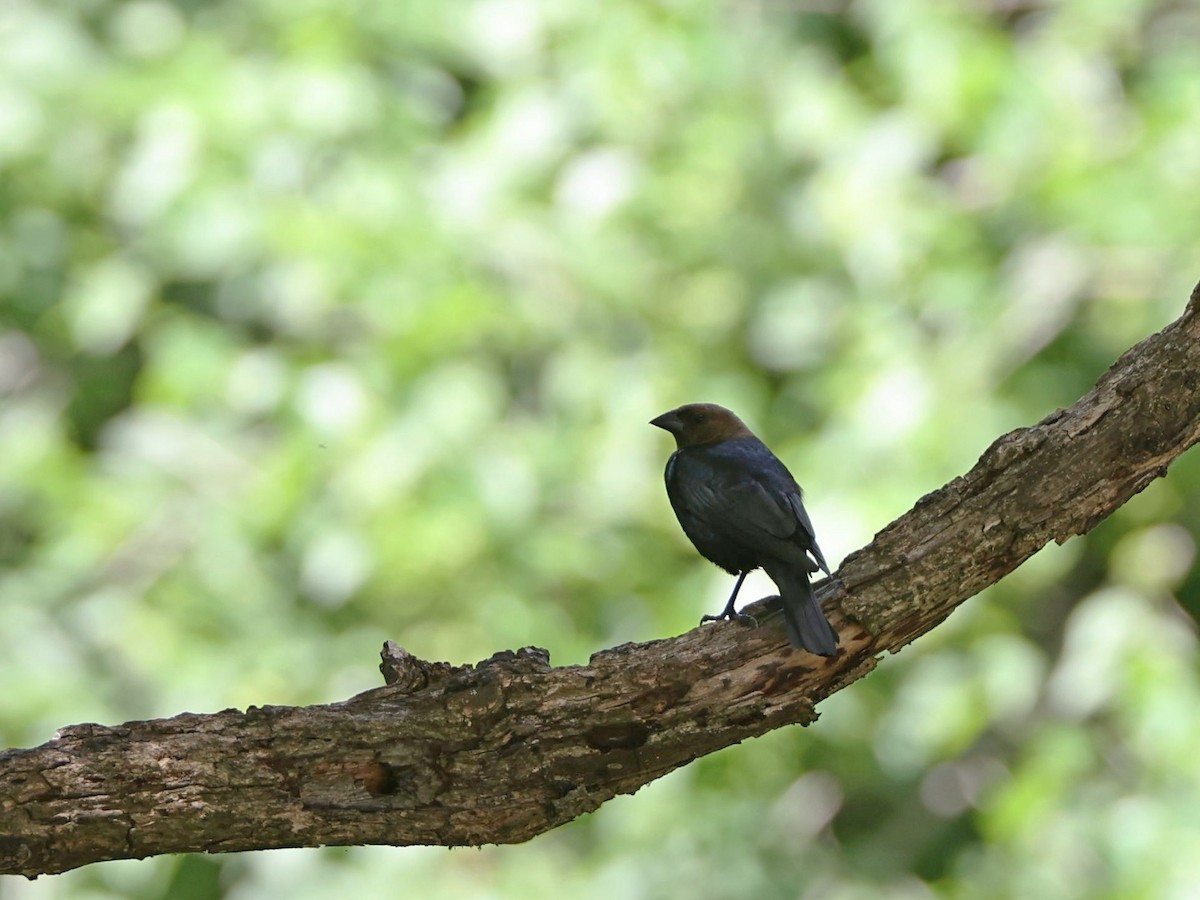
(742, 509)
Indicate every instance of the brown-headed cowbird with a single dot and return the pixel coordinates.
(742, 509)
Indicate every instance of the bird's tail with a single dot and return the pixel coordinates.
(806, 626)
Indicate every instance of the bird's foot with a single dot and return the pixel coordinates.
(740, 618)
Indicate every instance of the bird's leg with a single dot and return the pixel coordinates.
(728, 612)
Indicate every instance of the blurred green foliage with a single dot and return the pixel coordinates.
(328, 322)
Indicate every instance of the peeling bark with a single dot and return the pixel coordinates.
(511, 747)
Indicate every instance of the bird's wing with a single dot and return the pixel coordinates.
(732, 500)
(744, 494)
(797, 505)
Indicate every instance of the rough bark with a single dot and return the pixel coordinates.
(503, 750)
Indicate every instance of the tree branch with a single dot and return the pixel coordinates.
(512, 747)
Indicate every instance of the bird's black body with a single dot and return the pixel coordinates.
(742, 509)
(740, 505)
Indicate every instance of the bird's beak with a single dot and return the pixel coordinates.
(668, 421)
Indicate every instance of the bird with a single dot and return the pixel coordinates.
(743, 510)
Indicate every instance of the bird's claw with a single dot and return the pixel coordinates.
(740, 618)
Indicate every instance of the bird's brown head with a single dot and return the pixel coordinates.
(702, 424)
